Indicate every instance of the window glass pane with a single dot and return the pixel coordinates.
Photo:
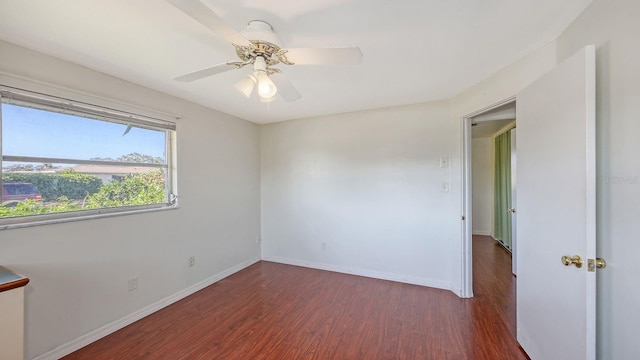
(54, 161)
(36, 188)
(40, 133)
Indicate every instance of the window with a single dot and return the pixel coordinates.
(66, 160)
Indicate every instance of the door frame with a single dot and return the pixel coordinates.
(467, 216)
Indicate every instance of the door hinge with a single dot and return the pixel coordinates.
(462, 217)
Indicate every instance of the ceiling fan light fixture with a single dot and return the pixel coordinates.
(260, 46)
(266, 87)
(246, 85)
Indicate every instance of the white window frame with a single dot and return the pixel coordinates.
(20, 97)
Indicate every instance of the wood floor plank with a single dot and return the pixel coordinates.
(275, 311)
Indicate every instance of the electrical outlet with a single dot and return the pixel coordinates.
(445, 187)
(133, 283)
(192, 261)
(444, 162)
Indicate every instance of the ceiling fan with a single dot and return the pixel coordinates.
(258, 45)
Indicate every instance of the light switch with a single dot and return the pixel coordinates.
(444, 162)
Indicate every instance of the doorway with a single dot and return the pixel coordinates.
(489, 196)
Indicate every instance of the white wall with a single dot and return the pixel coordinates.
(613, 26)
(323, 180)
(482, 183)
(368, 184)
(79, 270)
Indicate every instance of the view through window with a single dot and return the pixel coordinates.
(61, 159)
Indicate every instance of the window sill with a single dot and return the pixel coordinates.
(38, 220)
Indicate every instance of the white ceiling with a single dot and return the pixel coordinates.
(490, 122)
(413, 50)
(490, 128)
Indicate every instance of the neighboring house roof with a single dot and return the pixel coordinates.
(111, 170)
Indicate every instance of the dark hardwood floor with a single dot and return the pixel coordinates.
(274, 311)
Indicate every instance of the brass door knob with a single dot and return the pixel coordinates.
(572, 260)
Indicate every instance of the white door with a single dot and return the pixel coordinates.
(556, 211)
(514, 220)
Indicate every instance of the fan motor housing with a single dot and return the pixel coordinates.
(265, 42)
(262, 32)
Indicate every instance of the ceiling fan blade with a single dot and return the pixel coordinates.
(246, 85)
(197, 75)
(205, 16)
(285, 87)
(325, 56)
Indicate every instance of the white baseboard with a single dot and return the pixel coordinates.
(105, 330)
(481, 232)
(361, 272)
